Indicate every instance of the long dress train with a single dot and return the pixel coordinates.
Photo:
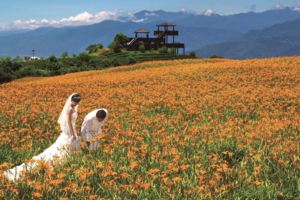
(57, 151)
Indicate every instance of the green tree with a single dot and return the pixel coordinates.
(18, 59)
(93, 48)
(8, 65)
(7, 69)
(5, 77)
(121, 38)
(142, 48)
(115, 46)
(84, 57)
(64, 55)
(52, 58)
(5, 58)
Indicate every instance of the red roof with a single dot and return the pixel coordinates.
(142, 30)
(166, 24)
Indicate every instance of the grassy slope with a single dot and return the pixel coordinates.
(195, 128)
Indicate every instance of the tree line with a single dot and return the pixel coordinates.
(93, 58)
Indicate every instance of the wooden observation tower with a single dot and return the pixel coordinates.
(164, 36)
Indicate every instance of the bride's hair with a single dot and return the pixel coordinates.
(76, 98)
(101, 114)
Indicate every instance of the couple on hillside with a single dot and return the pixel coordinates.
(68, 140)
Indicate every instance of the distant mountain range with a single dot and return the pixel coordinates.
(278, 40)
(207, 34)
(242, 22)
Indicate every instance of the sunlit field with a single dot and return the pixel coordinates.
(183, 129)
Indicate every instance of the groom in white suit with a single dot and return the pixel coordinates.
(91, 127)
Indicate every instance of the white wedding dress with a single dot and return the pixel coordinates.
(56, 152)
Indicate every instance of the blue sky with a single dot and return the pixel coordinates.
(12, 10)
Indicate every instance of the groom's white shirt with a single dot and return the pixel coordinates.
(90, 128)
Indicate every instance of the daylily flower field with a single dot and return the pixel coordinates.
(182, 129)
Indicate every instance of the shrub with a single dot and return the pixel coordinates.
(131, 60)
(116, 62)
(9, 65)
(193, 54)
(30, 71)
(5, 77)
(115, 46)
(84, 57)
(68, 69)
(94, 48)
(163, 49)
(142, 48)
(52, 58)
(173, 51)
(215, 56)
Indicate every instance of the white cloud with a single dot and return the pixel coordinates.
(296, 8)
(80, 19)
(207, 12)
(150, 14)
(280, 6)
(138, 20)
(188, 11)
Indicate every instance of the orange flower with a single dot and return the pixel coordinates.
(145, 186)
(56, 182)
(205, 121)
(153, 171)
(133, 164)
(38, 186)
(177, 180)
(100, 165)
(37, 194)
(257, 182)
(125, 175)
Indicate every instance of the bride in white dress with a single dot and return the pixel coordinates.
(66, 143)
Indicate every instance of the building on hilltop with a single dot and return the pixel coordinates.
(164, 37)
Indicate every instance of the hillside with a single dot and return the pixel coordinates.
(49, 40)
(182, 129)
(278, 40)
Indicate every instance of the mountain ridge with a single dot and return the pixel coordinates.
(278, 40)
(196, 31)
